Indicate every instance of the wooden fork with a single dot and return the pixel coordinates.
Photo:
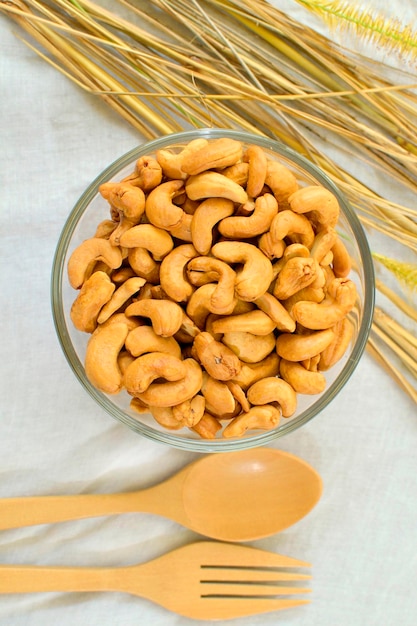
(204, 580)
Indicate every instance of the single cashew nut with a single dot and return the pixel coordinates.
(129, 203)
(256, 322)
(301, 379)
(159, 207)
(258, 165)
(217, 154)
(238, 172)
(271, 248)
(263, 417)
(147, 174)
(295, 228)
(343, 331)
(218, 360)
(150, 366)
(156, 240)
(171, 393)
(340, 299)
(207, 427)
(342, 262)
(239, 394)
(171, 162)
(120, 297)
(87, 254)
(281, 181)
(166, 316)
(248, 347)
(172, 273)
(269, 304)
(218, 396)
(236, 227)
(273, 389)
(254, 279)
(191, 411)
(105, 229)
(164, 416)
(300, 347)
(144, 339)
(213, 184)
(93, 295)
(208, 213)
(319, 203)
(297, 273)
(101, 359)
(252, 372)
(199, 305)
(222, 299)
(323, 244)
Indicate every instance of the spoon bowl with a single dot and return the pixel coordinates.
(235, 496)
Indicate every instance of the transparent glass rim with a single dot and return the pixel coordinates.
(217, 445)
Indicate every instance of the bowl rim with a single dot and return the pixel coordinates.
(205, 445)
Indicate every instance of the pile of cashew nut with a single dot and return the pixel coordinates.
(217, 290)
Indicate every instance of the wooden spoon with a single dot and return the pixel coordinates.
(230, 496)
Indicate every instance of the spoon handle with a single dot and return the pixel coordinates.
(28, 511)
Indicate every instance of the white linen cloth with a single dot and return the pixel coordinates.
(361, 537)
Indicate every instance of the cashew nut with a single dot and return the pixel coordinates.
(93, 295)
(120, 297)
(273, 389)
(213, 184)
(248, 347)
(266, 208)
(258, 165)
(191, 411)
(171, 162)
(218, 396)
(147, 174)
(207, 427)
(207, 215)
(222, 299)
(271, 248)
(343, 331)
(340, 299)
(217, 154)
(159, 207)
(269, 304)
(252, 372)
(294, 347)
(323, 244)
(263, 417)
(256, 322)
(172, 272)
(301, 379)
(166, 316)
(239, 395)
(156, 240)
(280, 179)
(143, 264)
(150, 366)
(144, 339)
(238, 172)
(295, 228)
(171, 393)
(319, 203)
(253, 280)
(218, 360)
(87, 254)
(199, 305)
(101, 359)
(128, 201)
(164, 416)
(297, 273)
(342, 263)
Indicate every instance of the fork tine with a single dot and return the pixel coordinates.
(249, 590)
(229, 608)
(209, 574)
(216, 554)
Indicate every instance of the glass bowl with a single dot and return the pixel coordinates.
(92, 209)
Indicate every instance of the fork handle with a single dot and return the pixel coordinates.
(32, 578)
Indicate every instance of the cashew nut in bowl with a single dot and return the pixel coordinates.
(318, 203)
(166, 316)
(85, 256)
(190, 412)
(281, 180)
(254, 279)
(147, 174)
(159, 207)
(248, 347)
(172, 273)
(301, 379)
(222, 300)
(208, 213)
(258, 166)
(270, 305)
(94, 294)
(273, 389)
(256, 322)
(218, 359)
(251, 372)
(143, 264)
(217, 154)
(296, 228)
(214, 185)
(294, 347)
(343, 331)
(219, 399)
(342, 263)
(339, 301)
(150, 366)
(164, 416)
(297, 273)
(156, 240)
(101, 359)
(239, 227)
(120, 297)
(144, 339)
(263, 417)
(207, 427)
(171, 393)
(128, 201)
(199, 305)
(171, 162)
